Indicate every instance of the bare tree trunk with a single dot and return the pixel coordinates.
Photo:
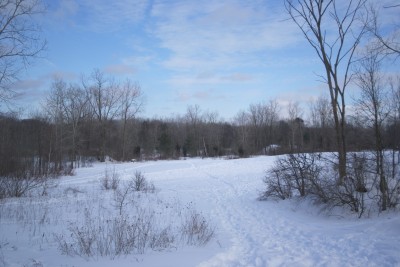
(334, 34)
(124, 140)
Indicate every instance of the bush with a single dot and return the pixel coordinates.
(110, 180)
(122, 235)
(20, 186)
(195, 230)
(130, 234)
(294, 173)
(303, 175)
(139, 183)
(278, 183)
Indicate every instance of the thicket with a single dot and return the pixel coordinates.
(137, 226)
(315, 175)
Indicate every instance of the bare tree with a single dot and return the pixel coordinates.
(394, 83)
(257, 121)
(321, 119)
(272, 116)
(54, 107)
(331, 28)
(296, 126)
(75, 106)
(394, 129)
(193, 122)
(131, 103)
(390, 43)
(104, 99)
(374, 109)
(241, 122)
(20, 41)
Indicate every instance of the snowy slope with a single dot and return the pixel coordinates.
(248, 232)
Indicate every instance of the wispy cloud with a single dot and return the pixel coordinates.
(100, 15)
(218, 34)
(120, 69)
(208, 78)
(237, 77)
(197, 95)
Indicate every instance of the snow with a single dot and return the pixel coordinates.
(248, 232)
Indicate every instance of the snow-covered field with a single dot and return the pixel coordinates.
(248, 232)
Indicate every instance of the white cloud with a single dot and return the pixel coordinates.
(228, 34)
(238, 77)
(208, 78)
(120, 69)
(101, 15)
(66, 9)
(202, 95)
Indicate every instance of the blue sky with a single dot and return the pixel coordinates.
(221, 55)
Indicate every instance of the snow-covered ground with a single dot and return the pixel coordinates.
(248, 232)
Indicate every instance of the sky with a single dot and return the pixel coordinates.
(220, 55)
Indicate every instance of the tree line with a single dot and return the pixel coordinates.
(99, 118)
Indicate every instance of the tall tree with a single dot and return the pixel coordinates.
(334, 30)
(241, 122)
(20, 41)
(75, 106)
(104, 99)
(131, 103)
(296, 124)
(321, 119)
(395, 96)
(194, 142)
(54, 106)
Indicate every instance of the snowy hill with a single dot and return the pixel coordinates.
(247, 232)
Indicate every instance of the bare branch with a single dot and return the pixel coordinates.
(20, 41)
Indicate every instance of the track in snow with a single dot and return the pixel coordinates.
(249, 233)
(270, 233)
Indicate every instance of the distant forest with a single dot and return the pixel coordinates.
(100, 119)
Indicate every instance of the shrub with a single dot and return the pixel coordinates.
(195, 230)
(293, 173)
(20, 186)
(125, 235)
(278, 184)
(110, 180)
(122, 196)
(303, 175)
(140, 184)
(137, 183)
(113, 237)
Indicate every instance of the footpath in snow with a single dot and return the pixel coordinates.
(248, 232)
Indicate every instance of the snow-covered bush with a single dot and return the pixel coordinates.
(121, 235)
(110, 180)
(313, 175)
(125, 193)
(20, 186)
(308, 175)
(195, 230)
(140, 183)
(140, 225)
(278, 184)
(294, 174)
